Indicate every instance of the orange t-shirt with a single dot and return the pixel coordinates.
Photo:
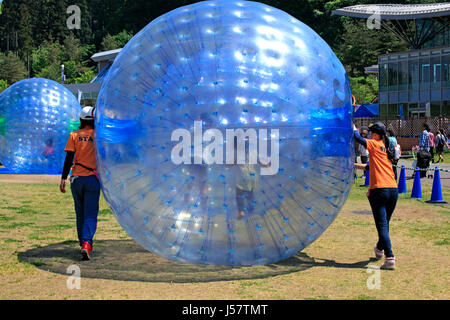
(380, 167)
(82, 143)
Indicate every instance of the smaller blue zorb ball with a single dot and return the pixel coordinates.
(36, 118)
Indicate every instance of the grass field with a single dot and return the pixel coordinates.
(37, 233)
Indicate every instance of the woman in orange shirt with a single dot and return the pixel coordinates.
(84, 184)
(383, 192)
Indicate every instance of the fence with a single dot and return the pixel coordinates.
(407, 131)
(408, 128)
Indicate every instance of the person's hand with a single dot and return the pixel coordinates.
(62, 186)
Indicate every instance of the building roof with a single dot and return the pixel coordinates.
(83, 87)
(103, 73)
(371, 69)
(105, 55)
(396, 11)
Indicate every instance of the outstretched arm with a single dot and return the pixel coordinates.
(358, 137)
(361, 166)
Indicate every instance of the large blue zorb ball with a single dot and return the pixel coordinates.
(36, 118)
(223, 135)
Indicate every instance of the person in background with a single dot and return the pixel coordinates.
(383, 192)
(440, 144)
(432, 145)
(84, 182)
(424, 139)
(392, 144)
(364, 154)
(423, 155)
(446, 139)
(360, 150)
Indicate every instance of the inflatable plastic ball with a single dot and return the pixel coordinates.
(223, 135)
(36, 117)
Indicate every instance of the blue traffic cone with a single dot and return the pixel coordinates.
(402, 181)
(436, 192)
(417, 189)
(367, 176)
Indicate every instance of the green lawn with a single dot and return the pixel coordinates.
(38, 236)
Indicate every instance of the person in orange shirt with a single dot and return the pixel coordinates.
(84, 182)
(383, 191)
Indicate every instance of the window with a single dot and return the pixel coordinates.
(392, 76)
(424, 73)
(411, 108)
(383, 77)
(435, 108)
(392, 110)
(435, 72)
(383, 110)
(402, 75)
(403, 110)
(445, 108)
(413, 74)
(446, 71)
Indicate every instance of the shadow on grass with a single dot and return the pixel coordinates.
(127, 261)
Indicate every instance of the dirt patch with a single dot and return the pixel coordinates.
(30, 178)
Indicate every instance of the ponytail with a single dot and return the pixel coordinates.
(390, 152)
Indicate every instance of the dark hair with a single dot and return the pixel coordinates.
(380, 129)
(390, 152)
(426, 126)
(84, 123)
(391, 132)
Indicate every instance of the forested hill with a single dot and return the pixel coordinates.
(35, 39)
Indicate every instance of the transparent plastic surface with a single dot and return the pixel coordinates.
(167, 135)
(36, 118)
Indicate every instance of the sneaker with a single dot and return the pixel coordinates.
(389, 263)
(378, 253)
(86, 249)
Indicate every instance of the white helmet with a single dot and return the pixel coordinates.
(87, 113)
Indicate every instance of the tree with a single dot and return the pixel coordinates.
(85, 77)
(47, 54)
(365, 89)
(362, 46)
(48, 58)
(52, 72)
(3, 85)
(117, 41)
(12, 69)
(72, 49)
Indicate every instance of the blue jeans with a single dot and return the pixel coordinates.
(86, 195)
(383, 201)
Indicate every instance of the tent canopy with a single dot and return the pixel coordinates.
(366, 110)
